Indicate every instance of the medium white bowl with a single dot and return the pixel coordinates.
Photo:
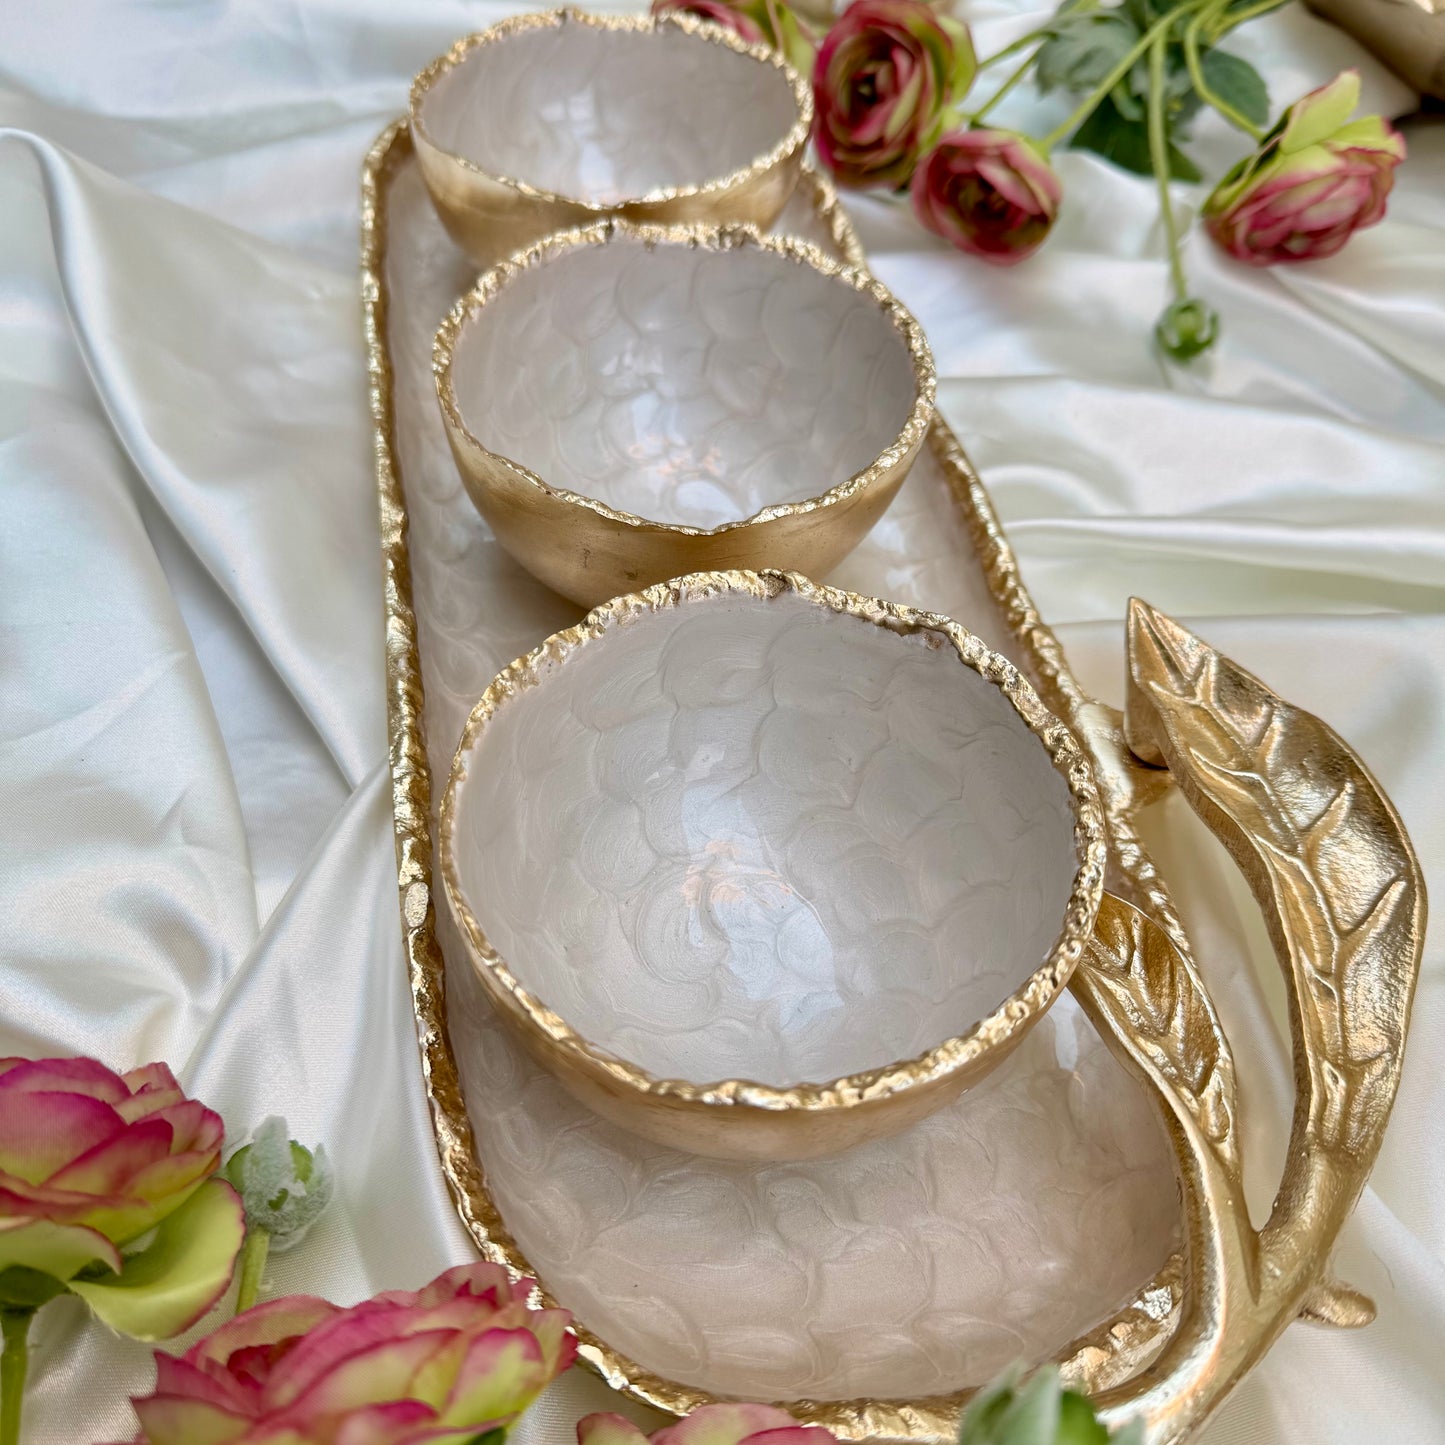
(628, 404)
(761, 869)
(553, 120)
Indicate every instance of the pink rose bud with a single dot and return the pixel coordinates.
(989, 193)
(729, 1424)
(730, 17)
(759, 22)
(885, 77)
(1317, 178)
(453, 1361)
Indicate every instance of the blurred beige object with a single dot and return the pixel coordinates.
(1408, 35)
(552, 120)
(629, 404)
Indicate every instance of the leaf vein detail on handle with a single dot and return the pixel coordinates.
(1321, 845)
(1150, 996)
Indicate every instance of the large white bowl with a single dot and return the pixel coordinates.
(761, 869)
(628, 404)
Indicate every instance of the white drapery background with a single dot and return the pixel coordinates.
(195, 841)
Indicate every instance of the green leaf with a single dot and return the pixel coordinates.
(1236, 82)
(186, 1268)
(1077, 1422)
(1083, 50)
(24, 1289)
(1319, 114)
(60, 1250)
(1125, 142)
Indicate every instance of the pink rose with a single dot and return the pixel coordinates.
(91, 1160)
(1317, 178)
(885, 77)
(759, 22)
(988, 192)
(452, 1361)
(711, 1425)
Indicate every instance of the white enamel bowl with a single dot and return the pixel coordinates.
(764, 870)
(549, 121)
(627, 404)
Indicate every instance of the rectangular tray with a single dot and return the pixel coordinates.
(611, 1227)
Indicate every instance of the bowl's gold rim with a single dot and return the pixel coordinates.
(1015, 1014)
(714, 238)
(789, 146)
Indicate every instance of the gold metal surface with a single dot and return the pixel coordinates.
(590, 551)
(737, 1118)
(1328, 861)
(490, 216)
(1324, 850)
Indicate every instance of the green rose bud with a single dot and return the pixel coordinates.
(1187, 329)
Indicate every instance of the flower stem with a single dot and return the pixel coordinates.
(1013, 48)
(1159, 159)
(1196, 75)
(253, 1265)
(14, 1361)
(1159, 30)
(1002, 91)
(1222, 22)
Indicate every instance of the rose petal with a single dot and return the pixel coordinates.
(270, 1323)
(181, 1378)
(62, 1076)
(605, 1428)
(152, 1079)
(469, 1281)
(724, 1424)
(41, 1131)
(331, 1344)
(59, 1250)
(110, 1166)
(502, 1373)
(168, 1420)
(559, 1348)
(793, 1435)
(370, 1375)
(393, 1423)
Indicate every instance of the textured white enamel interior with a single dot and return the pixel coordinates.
(682, 384)
(759, 839)
(999, 1228)
(604, 116)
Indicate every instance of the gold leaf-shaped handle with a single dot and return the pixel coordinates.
(1324, 852)
(1329, 862)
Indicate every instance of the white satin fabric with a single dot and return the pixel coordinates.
(195, 845)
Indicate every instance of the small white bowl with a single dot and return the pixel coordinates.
(761, 869)
(628, 404)
(549, 121)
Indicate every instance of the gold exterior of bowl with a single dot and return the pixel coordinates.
(736, 1118)
(490, 215)
(589, 551)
